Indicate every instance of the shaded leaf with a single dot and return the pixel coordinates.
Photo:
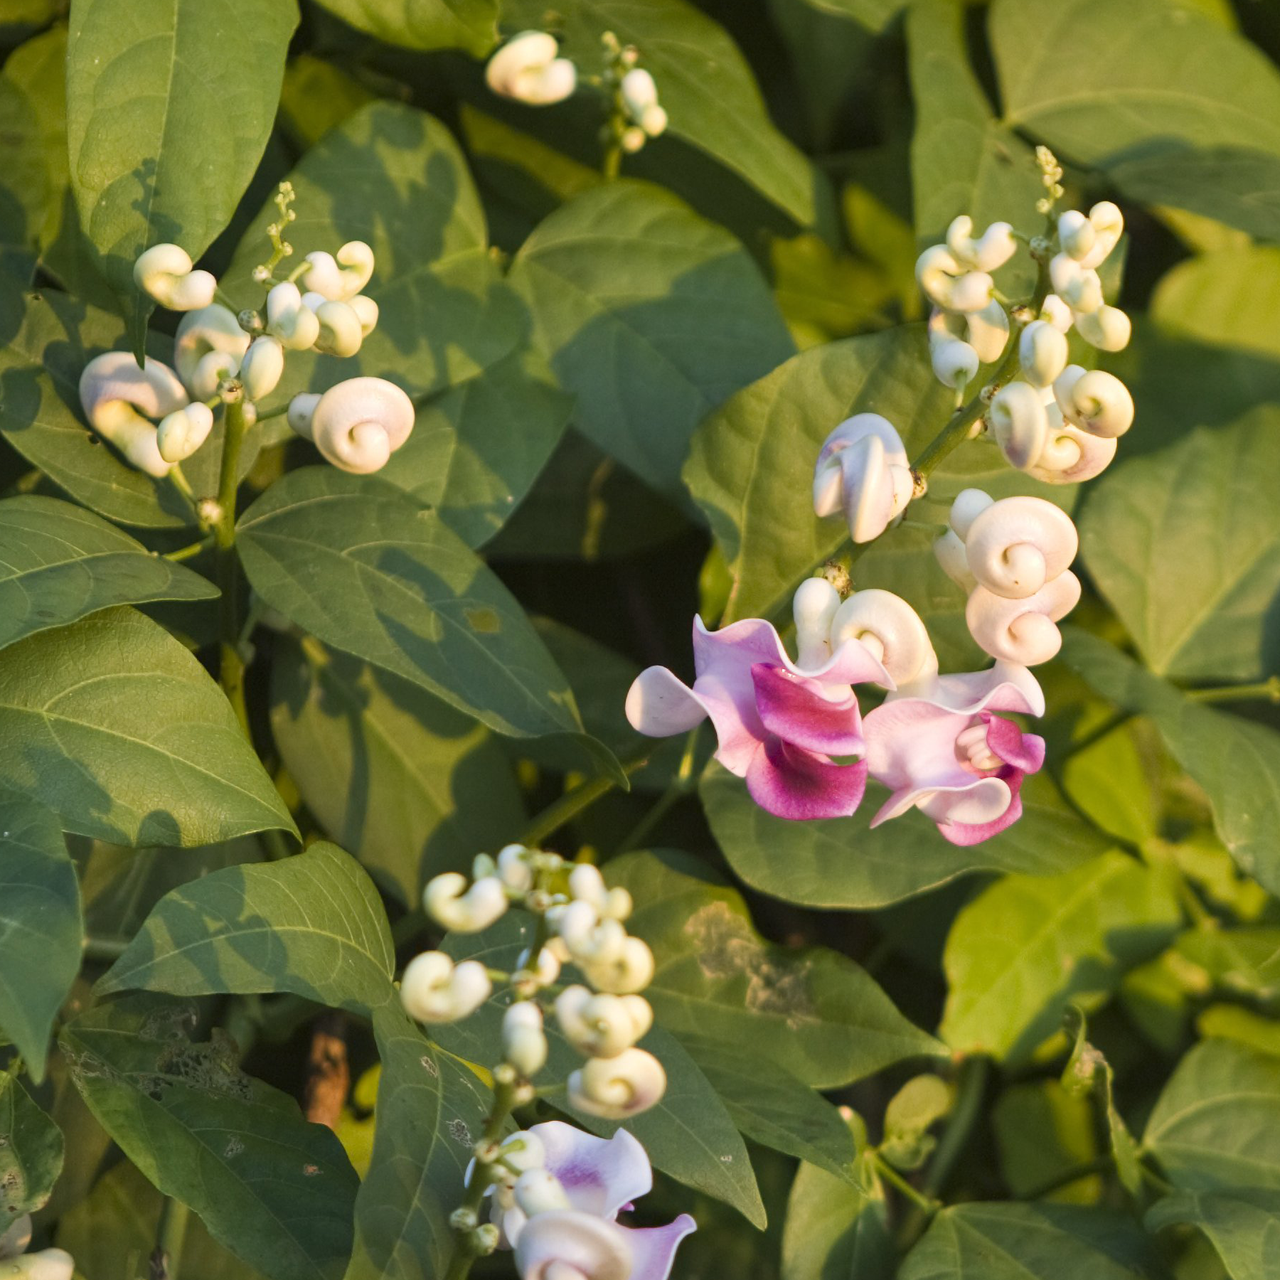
(424, 24)
(30, 1151)
(835, 1230)
(1223, 299)
(1243, 1225)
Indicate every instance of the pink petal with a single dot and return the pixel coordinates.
(1023, 751)
(1003, 687)
(966, 833)
(911, 745)
(793, 708)
(653, 1249)
(659, 704)
(794, 784)
(968, 798)
(852, 663)
(599, 1175)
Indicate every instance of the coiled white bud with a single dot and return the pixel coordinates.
(1078, 287)
(863, 469)
(1056, 312)
(640, 98)
(1018, 544)
(619, 1087)
(813, 607)
(524, 1150)
(366, 312)
(118, 399)
(625, 972)
(602, 1025)
(1106, 327)
(590, 939)
(358, 424)
(183, 431)
(262, 367)
(1071, 456)
(434, 989)
(544, 971)
(1024, 630)
(341, 332)
(988, 252)
(524, 1043)
(1095, 401)
(339, 279)
(968, 505)
(950, 285)
(449, 902)
(1042, 352)
(164, 272)
(891, 629)
(1090, 240)
(47, 1264)
(954, 361)
(1019, 423)
(526, 68)
(949, 550)
(586, 884)
(207, 347)
(288, 319)
(514, 869)
(988, 331)
(539, 1191)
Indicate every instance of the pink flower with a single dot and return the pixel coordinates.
(778, 724)
(942, 751)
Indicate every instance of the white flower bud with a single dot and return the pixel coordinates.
(863, 469)
(341, 332)
(434, 989)
(48, 1264)
(617, 1088)
(545, 971)
(638, 92)
(653, 120)
(164, 272)
(949, 285)
(539, 1191)
(625, 972)
(1076, 234)
(617, 904)
(183, 431)
(1071, 455)
(113, 390)
(1095, 401)
(514, 869)
(1107, 328)
(366, 312)
(449, 902)
(289, 320)
(207, 347)
(589, 938)
(990, 251)
(1018, 544)
(1107, 223)
(1078, 287)
(954, 361)
(891, 629)
(813, 607)
(1022, 631)
(358, 424)
(340, 279)
(586, 884)
(262, 367)
(526, 68)
(523, 1151)
(951, 555)
(968, 505)
(524, 1044)
(602, 1025)
(1056, 312)
(988, 331)
(1019, 423)
(1042, 353)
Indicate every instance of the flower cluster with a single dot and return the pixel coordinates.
(47, 1264)
(555, 1194)
(158, 416)
(580, 923)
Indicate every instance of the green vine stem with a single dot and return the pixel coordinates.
(1263, 691)
(223, 519)
(171, 1233)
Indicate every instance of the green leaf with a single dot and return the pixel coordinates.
(408, 784)
(1216, 1125)
(424, 24)
(1185, 546)
(445, 315)
(814, 1012)
(771, 1106)
(836, 1231)
(273, 1189)
(706, 85)
(112, 1233)
(843, 863)
(650, 315)
(1236, 761)
(689, 1134)
(41, 928)
(59, 562)
(1233, 1022)
(1042, 1133)
(1223, 299)
(30, 1151)
(23, 179)
(963, 160)
(1027, 946)
(311, 924)
(119, 730)
(165, 132)
(1244, 1226)
(430, 1112)
(368, 570)
(1028, 1242)
(873, 14)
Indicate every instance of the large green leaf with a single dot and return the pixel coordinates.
(273, 1189)
(1217, 1123)
(835, 1230)
(1236, 761)
(371, 571)
(1223, 299)
(24, 187)
(706, 85)
(169, 107)
(963, 160)
(30, 1151)
(41, 929)
(430, 1112)
(1243, 1224)
(1028, 1242)
(409, 785)
(118, 729)
(59, 562)
(1028, 946)
(1185, 545)
(650, 315)
(312, 924)
(424, 24)
(813, 1011)
(843, 863)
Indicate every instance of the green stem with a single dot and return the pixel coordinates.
(973, 1085)
(572, 803)
(612, 164)
(104, 950)
(171, 1232)
(1264, 690)
(278, 412)
(188, 552)
(677, 789)
(232, 667)
(891, 1175)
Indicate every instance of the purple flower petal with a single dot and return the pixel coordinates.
(653, 1249)
(975, 800)
(967, 833)
(795, 784)
(1024, 751)
(1002, 687)
(599, 1175)
(911, 744)
(794, 708)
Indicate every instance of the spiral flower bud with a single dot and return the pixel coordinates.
(1018, 544)
(602, 1025)
(988, 252)
(891, 629)
(164, 272)
(625, 972)
(619, 1087)
(1042, 353)
(208, 347)
(949, 285)
(296, 325)
(1019, 423)
(434, 989)
(449, 902)
(1022, 630)
(262, 367)
(813, 607)
(366, 311)
(514, 869)
(183, 431)
(524, 1043)
(1056, 312)
(1107, 328)
(1078, 287)
(358, 424)
(1095, 401)
(112, 392)
(341, 332)
(339, 279)
(526, 68)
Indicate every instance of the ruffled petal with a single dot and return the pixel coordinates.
(1006, 686)
(653, 1249)
(911, 745)
(795, 784)
(597, 1248)
(794, 708)
(1023, 751)
(599, 1175)
(660, 704)
(970, 833)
